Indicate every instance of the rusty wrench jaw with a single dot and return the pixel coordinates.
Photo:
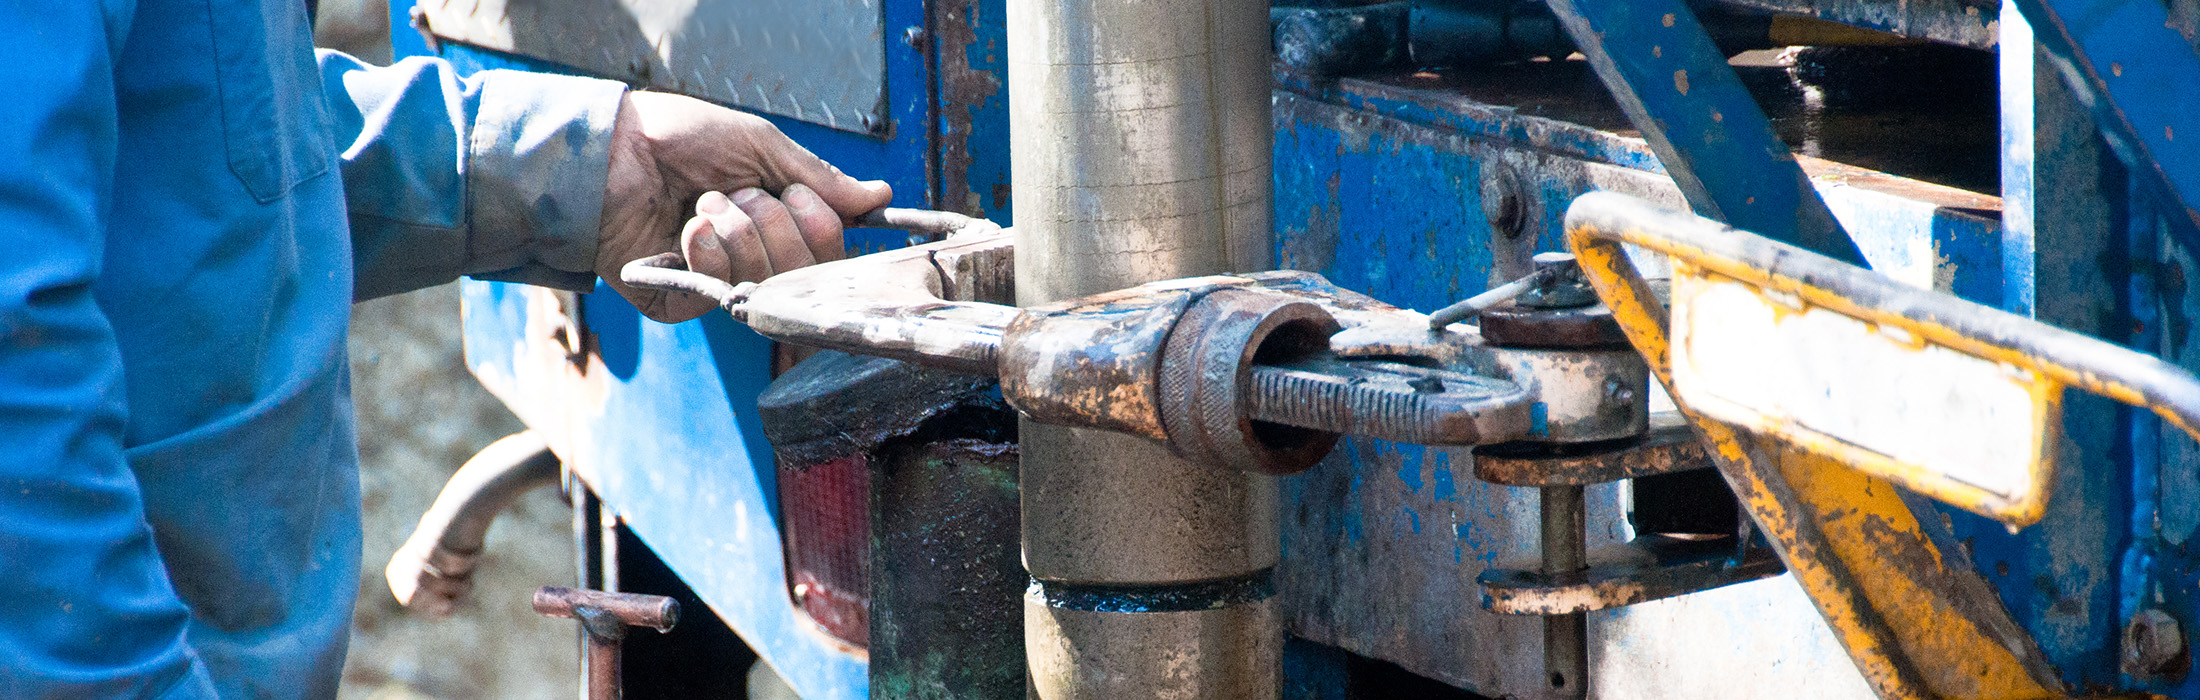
(1191, 363)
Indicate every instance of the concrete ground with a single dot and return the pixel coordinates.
(420, 416)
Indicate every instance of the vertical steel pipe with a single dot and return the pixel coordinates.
(1565, 551)
(1140, 144)
(1141, 139)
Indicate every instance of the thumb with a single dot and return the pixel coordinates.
(790, 163)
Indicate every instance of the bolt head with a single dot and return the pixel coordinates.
(2154, 645)
(1503, 207)
(1617, 390)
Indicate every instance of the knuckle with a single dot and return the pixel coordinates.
(821, 229)
(768, 213)
(734, 225)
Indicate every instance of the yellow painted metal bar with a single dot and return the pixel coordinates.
(2051, 358)
(2046, 396)
(1916, 625)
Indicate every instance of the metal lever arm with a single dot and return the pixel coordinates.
(2034, 359)
(885, 304)
(905, 304)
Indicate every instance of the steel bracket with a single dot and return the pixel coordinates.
(1647, 568)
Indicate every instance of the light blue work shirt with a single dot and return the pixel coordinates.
(190, 201)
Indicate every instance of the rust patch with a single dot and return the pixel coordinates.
(962, 90)
(1665, 450)
(1647, 568)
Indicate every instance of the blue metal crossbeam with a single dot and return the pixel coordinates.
(2141, 78)
(1713, 139)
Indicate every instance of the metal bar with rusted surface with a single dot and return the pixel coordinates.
(434, 569)
(604, 617)
(1916, 622)
(1713, 138)
(894, 304)
(2057, 357)
(1565, 554)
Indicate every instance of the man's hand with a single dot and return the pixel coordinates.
(670, 153)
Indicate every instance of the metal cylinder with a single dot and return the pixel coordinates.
(1225, 653)
(1142, 142)
(1565, 637)
(606, 668)
(1142, 138)
(1109, 508)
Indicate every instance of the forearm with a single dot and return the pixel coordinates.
(499, 175)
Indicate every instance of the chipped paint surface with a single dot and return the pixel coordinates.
(1742, 357)
(1356, 573)
(1917, 622)
(716, 462)
(1961, 22)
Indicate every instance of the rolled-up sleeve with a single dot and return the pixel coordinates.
(498, 175)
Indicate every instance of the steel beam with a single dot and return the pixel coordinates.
(1713, 138)
(2064, 215)
(2127, 62)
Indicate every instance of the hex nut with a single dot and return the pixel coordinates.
(2154, 645)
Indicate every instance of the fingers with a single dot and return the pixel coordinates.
(722, 241)
(782, 238)
(819, 224)
(735, 236)
(700, 241)
(705, 251)
(787, 163)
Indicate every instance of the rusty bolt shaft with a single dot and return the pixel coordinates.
(1475, 305)
(604, 618)
(1387, 400)
(631, 609)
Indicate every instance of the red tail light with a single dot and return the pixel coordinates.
(827, 510)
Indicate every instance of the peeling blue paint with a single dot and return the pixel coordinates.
(1445, 490)
(1409, 470)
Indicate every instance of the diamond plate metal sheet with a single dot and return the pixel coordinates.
(820, 61)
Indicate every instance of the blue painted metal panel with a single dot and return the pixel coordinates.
(970, 42)
(2127, 63)
(2137, 72)
(2163, 568)
(676, 447)
(1380, 187)
(1313, 671)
